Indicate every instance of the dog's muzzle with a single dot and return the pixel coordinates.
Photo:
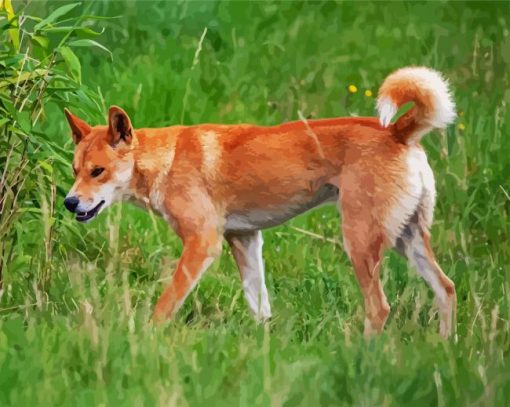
(86, 216)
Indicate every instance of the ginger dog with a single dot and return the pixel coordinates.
(228, 182)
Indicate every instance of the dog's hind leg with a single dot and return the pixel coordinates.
(366, 256)
(247, 250)
(364, 242)
(414, 244)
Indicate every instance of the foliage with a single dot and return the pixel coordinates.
(82, 337)
(38, 67)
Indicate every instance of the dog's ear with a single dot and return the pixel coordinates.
(120, 128)
(78, 127)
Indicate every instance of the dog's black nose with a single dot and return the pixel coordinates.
(71, 202)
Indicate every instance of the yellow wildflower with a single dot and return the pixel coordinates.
(352, 89)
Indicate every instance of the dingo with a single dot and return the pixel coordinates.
(213, 182)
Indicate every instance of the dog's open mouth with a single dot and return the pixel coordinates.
(85, 216)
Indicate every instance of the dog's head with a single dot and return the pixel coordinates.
(103, 163)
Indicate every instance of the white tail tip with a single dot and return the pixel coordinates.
(426, 88)
(387, 110)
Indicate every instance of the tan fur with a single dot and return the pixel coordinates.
(210, 180)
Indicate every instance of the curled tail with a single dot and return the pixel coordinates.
(433, 104)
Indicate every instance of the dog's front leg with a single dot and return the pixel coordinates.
(198, 254)
(247, 250)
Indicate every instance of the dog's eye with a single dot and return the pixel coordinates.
(96, 172)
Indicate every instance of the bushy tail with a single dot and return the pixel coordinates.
(433, 104)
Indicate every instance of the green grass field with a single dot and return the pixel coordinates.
(77, 298)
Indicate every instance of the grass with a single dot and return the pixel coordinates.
(77, 298)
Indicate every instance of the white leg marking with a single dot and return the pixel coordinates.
(428, 269)
(247, 250)
(417, 255)
(368, 328)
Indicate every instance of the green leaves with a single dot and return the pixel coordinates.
(11, 17)
(38, 70)
(23, 77)
(84, 31)
(59, 12)
(90, 43)
(72, 62)
(41, 41)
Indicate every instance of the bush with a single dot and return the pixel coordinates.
(37, 68)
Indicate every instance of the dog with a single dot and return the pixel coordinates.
(214, 182)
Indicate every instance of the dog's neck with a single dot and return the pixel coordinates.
(150, 171)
